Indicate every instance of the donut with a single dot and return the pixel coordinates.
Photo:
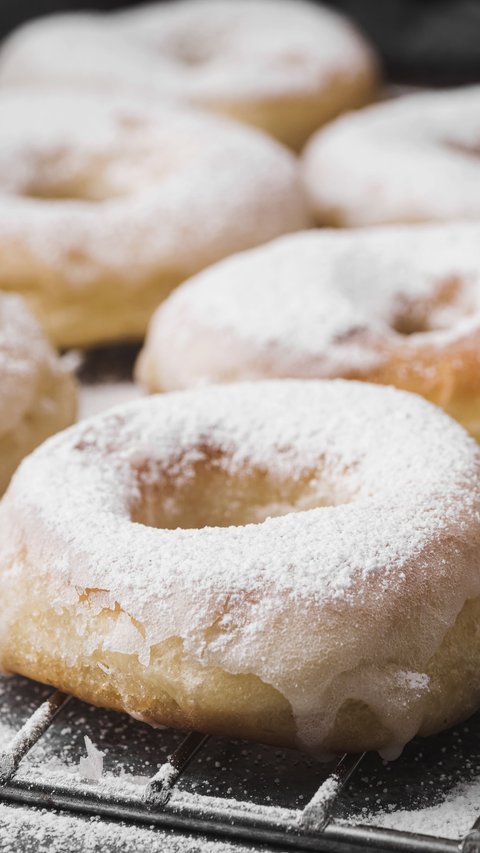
(398, 305)
(292, 562)
(281, 65)
(107, 204)
(412, 159)
(37, 392)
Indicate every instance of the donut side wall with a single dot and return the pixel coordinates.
(176, 690)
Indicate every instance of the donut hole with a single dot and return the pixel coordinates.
(104, 178)
(93, 177)
(451, 304)
(407, 324)
(208, 493)
(193, 55)
(470, 148)
(74, 190)
(59, 174)
(189, 50)
(132, 123)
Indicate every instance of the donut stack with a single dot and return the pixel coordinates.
(274, 545)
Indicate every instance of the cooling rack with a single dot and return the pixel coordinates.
(225, 789)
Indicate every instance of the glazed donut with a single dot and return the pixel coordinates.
(413, 159)
(398, 305)
(37, 393)
(281, 65)
(106, 205)
(293, 562)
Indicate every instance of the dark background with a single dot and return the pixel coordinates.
(421, 41)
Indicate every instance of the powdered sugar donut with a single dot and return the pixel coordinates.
(106, 205)
(37, 393)
(294, 562)
(409, 160)
(398, 305)
(282, 65)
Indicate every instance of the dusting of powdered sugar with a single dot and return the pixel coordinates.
(206, 52)
(25, 356)
(51, 832)
(387, 513)
(451, 818)
(320, 303)
(412, 159)
(96, 184)
(415, 680)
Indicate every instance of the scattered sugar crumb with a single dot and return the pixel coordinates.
(91, 767)
(452, 818)
(51, 832)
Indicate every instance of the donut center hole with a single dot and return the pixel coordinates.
(190, 49)
(406, 324)
(67, 191)
(471, 148)
(451, 304)
(208, 494)
(96, 176)
(193, 55)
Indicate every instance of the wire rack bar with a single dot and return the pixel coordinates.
(29, 734)
(471, 842)
(159, 789)
(318, 812)
(224, 819)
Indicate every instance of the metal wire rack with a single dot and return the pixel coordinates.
(314, 826)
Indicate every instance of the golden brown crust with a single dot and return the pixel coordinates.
(448, 376)
(292, 120)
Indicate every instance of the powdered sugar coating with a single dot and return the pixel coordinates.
(260, 47)
(306, 600)
(320, 303)
(106, 204)
(91, 183)
(23, 349)
(412, 159)
(230, 56)
(37, 393)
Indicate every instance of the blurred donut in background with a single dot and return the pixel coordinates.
(413, 159)
(398, 305)
(282, 65)
(107, 204)
(37, 392)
